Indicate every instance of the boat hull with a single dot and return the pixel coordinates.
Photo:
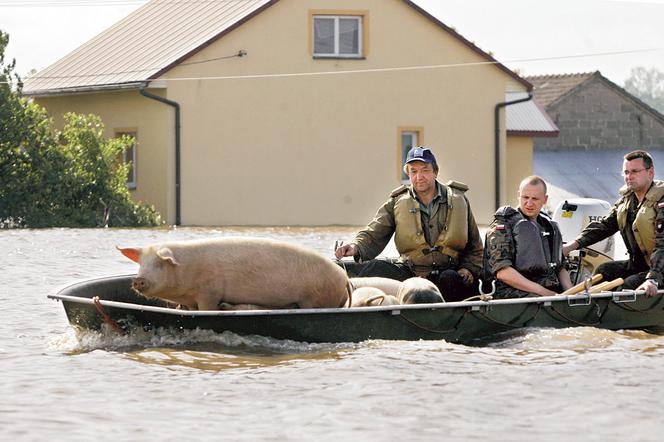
(460, 322)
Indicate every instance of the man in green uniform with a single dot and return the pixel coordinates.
(639, 217)
(434, 232)
(523, 247)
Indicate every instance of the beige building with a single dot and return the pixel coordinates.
(295, 112)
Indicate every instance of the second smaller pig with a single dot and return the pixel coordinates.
(418, 291)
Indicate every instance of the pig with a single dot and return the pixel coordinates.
(256, 272)
(372, 296)
(418, 291)
(387, 285)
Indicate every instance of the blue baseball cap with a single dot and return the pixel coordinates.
(418, 153)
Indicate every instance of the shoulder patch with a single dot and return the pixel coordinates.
(458, 185)
(660, 205)
(399, 190)
(505, 211)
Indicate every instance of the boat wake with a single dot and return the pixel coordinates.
(201, 349)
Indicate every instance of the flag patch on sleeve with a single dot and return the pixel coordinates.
(500, 227)
(660, 206)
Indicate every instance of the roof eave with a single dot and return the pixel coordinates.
(534, 133)
(84, 89)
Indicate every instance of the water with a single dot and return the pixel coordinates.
(571, 384)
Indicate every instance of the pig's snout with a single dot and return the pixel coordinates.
(139, 284)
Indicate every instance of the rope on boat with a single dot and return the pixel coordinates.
(510, 324)
(574, 321)
(107, 319)
(430, 330)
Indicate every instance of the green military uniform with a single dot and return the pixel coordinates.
(641, 226)
(533, 248)
(442, 235)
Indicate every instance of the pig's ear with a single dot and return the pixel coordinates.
(133, 253)
(167, 255)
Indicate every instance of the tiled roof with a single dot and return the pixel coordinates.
(144, 44)
(158, 36)
(528, 117)
(549, 88)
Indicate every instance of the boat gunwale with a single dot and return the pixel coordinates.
(395, 309)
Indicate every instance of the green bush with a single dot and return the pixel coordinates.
(68, 178)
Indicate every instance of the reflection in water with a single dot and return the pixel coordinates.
(218, 359)
(200, 349)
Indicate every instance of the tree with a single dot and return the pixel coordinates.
(647, 85)
(70, 178)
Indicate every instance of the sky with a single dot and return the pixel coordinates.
(533, 37)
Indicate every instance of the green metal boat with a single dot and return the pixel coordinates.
(91, 304)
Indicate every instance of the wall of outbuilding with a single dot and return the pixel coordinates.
(597, 116)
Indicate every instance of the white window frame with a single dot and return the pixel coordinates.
(131, 177)
(336, 53)
(404, 151)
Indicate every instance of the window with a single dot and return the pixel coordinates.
(337, 36)
(129, 156)
(408, 137)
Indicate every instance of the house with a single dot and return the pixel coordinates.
(293, 112)
(599, 123)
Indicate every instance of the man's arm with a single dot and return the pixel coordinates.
(370, 241)
(511, 277)
(595, 231)
(656, 271)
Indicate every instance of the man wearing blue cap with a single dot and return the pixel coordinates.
(434, 232)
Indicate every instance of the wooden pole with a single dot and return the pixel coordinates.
(607, 286)
(579, 287)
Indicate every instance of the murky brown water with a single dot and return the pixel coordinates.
(572, 384)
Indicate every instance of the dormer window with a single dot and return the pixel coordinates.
(338, 36)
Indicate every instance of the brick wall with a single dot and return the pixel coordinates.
(597, 116)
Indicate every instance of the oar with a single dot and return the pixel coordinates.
(607, 286)
(579, 287)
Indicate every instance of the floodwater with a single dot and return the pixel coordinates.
(59, 385)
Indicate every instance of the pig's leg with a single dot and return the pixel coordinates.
(227, 306)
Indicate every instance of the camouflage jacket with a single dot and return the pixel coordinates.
(500, 252)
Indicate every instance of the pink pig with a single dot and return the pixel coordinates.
(255, 272)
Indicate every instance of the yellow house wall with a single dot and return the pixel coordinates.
(310, 149)
(154, 125)
(321, 149)
(519, 157)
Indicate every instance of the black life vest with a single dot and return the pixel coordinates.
(537, 250)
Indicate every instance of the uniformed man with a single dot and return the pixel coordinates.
(434, 232)
(639, 216)
(523, 247)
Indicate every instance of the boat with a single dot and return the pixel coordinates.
(101, 303)
(110, 302)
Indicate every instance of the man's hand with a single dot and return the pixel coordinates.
(650, 287)
(569, 247)
(466, 275)
(345, 250)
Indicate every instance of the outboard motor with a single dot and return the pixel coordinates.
(572, 216)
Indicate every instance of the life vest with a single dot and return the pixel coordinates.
(644, 223)
(531, 258)
(409, 235)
